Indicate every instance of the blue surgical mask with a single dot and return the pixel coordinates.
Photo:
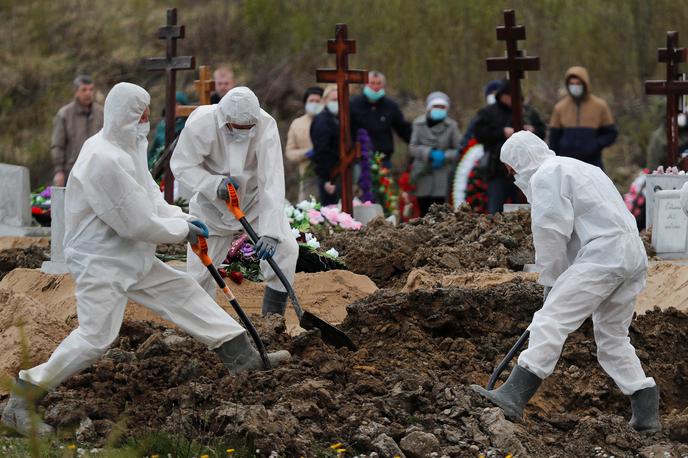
(373, 96)
(576, 90)
(438, 114)
(313, 108)
(333, 107)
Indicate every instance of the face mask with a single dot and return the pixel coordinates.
(373, 96)
(438, 114)
(523, 185)
(491, 99)
(142, 129)
(576, 90)
(681, 120)
(313, 108)
(241, 135)
(333, 107)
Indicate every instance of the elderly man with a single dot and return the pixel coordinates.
(237, 142)
(114, 218)
(224, 82)
(591, 262)
(379, 115)
(73, 124)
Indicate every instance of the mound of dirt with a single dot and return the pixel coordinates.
(422, 279)
(443, 242)
(30, 257)
(667, 286)
(404, 391)
(47, 305)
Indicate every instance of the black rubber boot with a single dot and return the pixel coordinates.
(514, 394)
(274, 301)
(238, 355)
(18, 414)
(645, 407)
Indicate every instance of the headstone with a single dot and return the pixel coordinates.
(516, 207)
(56, 265)
(15, 203)
(366, 213)
(655, 183)
(670, 226)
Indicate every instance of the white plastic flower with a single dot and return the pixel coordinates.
(332, 253)
(289, 211)
(313, 243)
(309, 237)
(298, 215)
(305, 205)
(295, 232)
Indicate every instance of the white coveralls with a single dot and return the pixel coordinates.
(206, 153)
(115, 215)
(587, 248)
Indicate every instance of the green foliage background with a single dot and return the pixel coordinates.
(275, 47)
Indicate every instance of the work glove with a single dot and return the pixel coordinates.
(437, 158)
(265, 247)
(545, 293)
(196, 228)
(222, 192)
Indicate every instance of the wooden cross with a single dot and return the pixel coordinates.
(672, 88)
(341, 46)
(170, 64)
(204, 85)
(515, 63)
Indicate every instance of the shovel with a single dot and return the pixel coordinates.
(507, 359)
(201, 250)
(307, 320)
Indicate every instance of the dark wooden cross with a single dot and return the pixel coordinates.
(672, 88)
(341, 46)
(515, 63)
(170, 64)
(204, 85)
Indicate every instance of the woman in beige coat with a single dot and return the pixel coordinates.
(299, 146)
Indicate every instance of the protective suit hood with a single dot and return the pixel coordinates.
(525, 152)
(239, 106)
(122, 111)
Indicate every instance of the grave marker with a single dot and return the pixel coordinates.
(56, 265)
(670, 226)
(15, 203)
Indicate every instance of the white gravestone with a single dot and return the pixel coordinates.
(516, 207)
(15, 203)
(655, 183)
(670, 226)
(56, 265)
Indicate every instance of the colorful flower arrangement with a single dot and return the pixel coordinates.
(40, 205)
(468, 185)
(385, 187)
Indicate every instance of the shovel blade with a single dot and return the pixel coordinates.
(329, 333)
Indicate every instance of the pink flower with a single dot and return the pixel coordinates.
(347, 222)
(315, 217)
(331, 213)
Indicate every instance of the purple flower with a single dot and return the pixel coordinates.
(47, 192)
(247, 250)
(365, 181)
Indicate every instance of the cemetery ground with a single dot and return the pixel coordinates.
(453, 299)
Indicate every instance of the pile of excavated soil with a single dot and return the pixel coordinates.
(404, 392)
(443, 242)
(17, 252)
(46, 304)
(667, 286)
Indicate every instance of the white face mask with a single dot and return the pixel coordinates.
(681, 120)
(313, 108)
(142, 129)
(333, 107)
(523, 185)
(576, 90)
(491, 99)
(241, 135)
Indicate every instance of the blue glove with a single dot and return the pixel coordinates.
(309, 154)
(437, 158)
(222, 192)
(265, 247)
(196, 228)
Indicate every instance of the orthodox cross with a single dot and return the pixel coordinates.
(170, 64)
(672, 88)
(341, 46)
(515, 63)
(204, 86)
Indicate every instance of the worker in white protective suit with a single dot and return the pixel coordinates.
(591, 262)
(114, 217)
(237, 142)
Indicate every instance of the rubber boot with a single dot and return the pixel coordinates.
(645, 407)
(238, 355)
(18, 414)
(274, 301)
(514, 394)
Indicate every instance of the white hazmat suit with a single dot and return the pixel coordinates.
(115, 215)
(209, 151)
(588, 250)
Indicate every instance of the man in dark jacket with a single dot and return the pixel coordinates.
(582, 124)
(325, 139)
(492, 129)
(379, 115)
